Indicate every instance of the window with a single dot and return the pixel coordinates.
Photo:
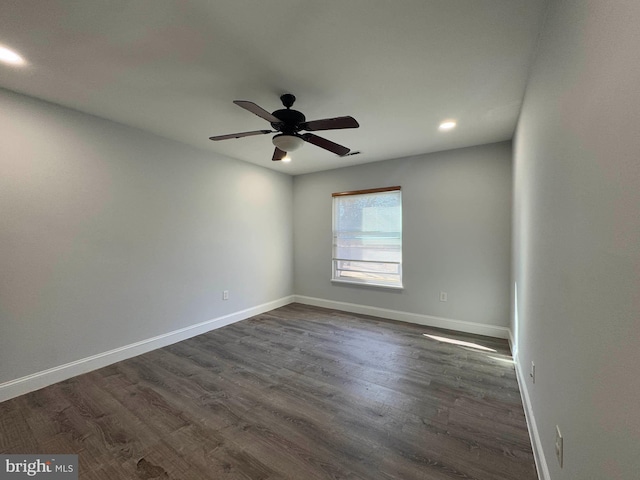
(367, 237)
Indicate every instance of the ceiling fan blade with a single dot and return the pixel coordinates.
(257, 110)
(326, 144)
(239, 135)
(278, 154)
(330, 124)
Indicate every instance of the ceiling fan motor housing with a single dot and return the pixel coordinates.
(291, 120)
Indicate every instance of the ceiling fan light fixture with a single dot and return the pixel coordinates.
(286, 159)
(287, 143)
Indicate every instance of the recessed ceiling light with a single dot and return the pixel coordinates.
(447, 125)
(286, 159)
(11, 57)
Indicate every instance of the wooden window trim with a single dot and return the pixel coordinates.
(363, 192)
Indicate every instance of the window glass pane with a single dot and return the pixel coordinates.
(381, 273)
(373, 212)
(367, 238)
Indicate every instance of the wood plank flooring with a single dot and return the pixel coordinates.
(299, 393)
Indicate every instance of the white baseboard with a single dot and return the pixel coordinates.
(512, 343)
(35, 381)
(536, 443)
(429, 320)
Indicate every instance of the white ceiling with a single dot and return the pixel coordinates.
(174, 67)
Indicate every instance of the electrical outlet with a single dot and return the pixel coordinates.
(443, 296)
(225, 294)
(532, 373)
(559, 446)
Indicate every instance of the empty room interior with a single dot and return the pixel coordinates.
(345, 239)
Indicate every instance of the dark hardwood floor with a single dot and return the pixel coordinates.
(298, 393)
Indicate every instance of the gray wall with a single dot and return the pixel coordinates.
(110, 235)
(577, 238)
(456, 233)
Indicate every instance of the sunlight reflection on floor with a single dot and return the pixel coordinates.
(459, 342)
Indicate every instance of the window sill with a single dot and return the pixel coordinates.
(363, 284)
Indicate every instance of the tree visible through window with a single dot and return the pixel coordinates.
(367, 237)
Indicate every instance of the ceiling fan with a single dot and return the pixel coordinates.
(290, 123)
